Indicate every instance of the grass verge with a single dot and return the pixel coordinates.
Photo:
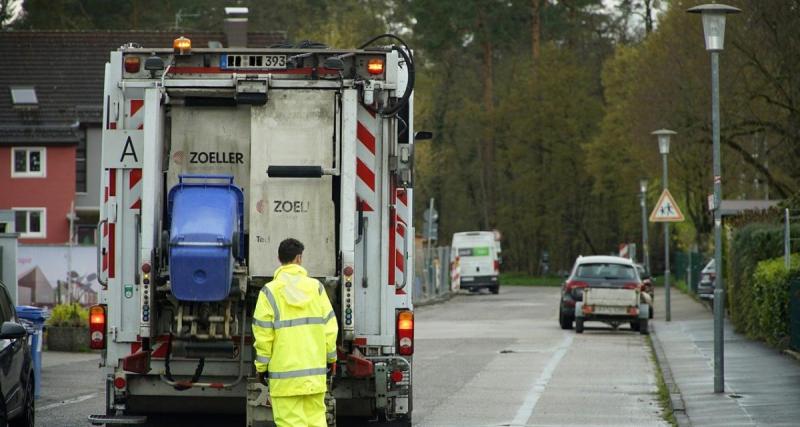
(663, 392)
(523, 279)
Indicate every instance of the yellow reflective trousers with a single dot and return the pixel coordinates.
(300, 411)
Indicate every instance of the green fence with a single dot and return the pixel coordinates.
(794, 314)
(688, 265)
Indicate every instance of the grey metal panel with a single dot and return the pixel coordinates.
(294, 128)
(211, 140)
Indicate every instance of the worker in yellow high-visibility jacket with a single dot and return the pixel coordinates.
(295, 341)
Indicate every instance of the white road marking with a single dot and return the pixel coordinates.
(526, 410)
(67, 402)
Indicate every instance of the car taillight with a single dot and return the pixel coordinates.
(573, 284)
(631, 285)
(496, 266)
(97, 327)
(405, 332)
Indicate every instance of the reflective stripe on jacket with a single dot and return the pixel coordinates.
(295, 333)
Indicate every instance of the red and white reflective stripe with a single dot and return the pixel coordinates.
(109, 230)
(367, 130)
(455, 275)
(159, 347)
(104, 243)
(403, 219)
(134, 114)
(135, 188)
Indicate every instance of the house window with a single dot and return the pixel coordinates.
(24, 96)
(30, 222)
(85, 234)
(28, 162)
(80, 167)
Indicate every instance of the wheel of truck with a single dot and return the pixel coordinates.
(650, 316)
(330, 409)
(495, 289)
(579, 325)
(635, 326)
(565, 321)
(644, 327)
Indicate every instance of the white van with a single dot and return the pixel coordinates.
(475, 260)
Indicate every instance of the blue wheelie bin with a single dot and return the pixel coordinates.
(34, 318)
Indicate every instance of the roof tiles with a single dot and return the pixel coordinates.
(66, 68)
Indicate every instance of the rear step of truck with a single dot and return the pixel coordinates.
(98, 420)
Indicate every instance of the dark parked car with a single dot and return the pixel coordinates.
(16, 368)
(705, 288)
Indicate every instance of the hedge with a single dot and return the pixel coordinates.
(749, 245)
(769, 301)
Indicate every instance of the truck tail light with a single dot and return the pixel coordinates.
(120, 382)
(132, 64)
(375, 66)
(405, 332)
(97, 327)
(631, 285)
(496, 266)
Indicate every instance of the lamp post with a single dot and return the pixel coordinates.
(643, 203)
(714, 30)
(663, 148)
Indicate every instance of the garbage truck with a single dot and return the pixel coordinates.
(211, 157)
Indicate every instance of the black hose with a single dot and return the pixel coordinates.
(180, 386)
(405, 52)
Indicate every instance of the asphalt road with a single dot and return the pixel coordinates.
(502, 360)
(480, 360)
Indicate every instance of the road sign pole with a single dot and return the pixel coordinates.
(667, 300)
(430, 242)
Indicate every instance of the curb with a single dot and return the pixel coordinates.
(432, 301)
(792, 353)
(676, 403)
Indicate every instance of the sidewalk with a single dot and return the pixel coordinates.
(57, 358)
(762, 385)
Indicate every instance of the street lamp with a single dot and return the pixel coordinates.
(714, 30)
(643, 203)
(663, 148)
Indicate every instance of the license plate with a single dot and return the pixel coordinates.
(253, 62)
(610, 310)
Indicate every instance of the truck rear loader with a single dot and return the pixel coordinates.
(210, 158)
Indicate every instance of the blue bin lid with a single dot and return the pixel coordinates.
(28, 312)
(204, 214)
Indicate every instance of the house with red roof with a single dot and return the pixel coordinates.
(51, 104)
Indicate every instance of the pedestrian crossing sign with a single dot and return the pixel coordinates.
(666, 210)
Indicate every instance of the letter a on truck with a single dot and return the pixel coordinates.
(211, 157)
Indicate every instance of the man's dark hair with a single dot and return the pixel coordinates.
(289, 249)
